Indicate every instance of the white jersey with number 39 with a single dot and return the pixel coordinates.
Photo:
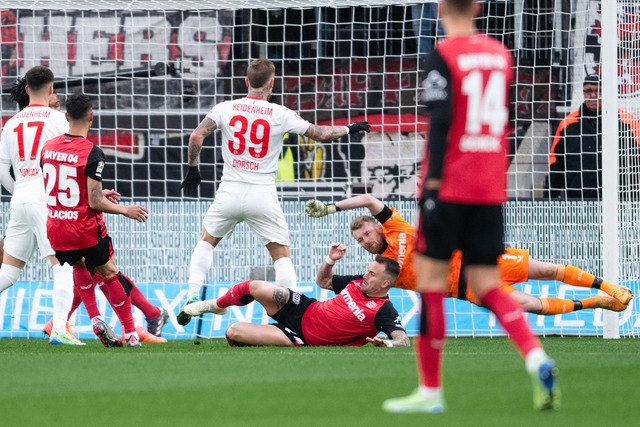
(252, 136)
(23, 137)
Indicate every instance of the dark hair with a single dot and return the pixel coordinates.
(391, 267)
(461, 6)
(259, 72)
(19, 93)
(592, 79)
(78, 106)
(38, 77)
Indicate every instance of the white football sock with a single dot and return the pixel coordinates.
(285, 273)
(62, 295)
(8, 276)
(201, 262)
(534, 358)
(430, 392)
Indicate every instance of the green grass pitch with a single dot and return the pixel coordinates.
(182, 384)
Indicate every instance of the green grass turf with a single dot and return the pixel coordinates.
(182, 384)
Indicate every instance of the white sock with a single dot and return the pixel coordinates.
(128, 334)
(62, 295)
(285, 273)
(201, 262)
(534, 358)
(8, 276)
(430, 392)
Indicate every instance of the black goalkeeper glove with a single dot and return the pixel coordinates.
(191, 182)
(358, 127)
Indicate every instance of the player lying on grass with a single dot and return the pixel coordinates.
(360, 310)
(391, 236)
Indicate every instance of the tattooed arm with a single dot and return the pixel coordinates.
(326, 133)
(204, 129)
(325, 271)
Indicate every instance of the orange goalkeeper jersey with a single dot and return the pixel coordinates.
(513, 265)
(400, 238)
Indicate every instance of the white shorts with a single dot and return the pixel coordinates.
(257, 205)
(27, 230)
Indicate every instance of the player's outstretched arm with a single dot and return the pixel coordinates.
(325, 271)
(316, 208)
(99, 202)
(329, 133)
(398, 339)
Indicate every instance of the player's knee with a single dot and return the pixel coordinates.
(255, 286)
(10, 274)
(233, 335)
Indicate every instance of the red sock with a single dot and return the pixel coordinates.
(97, 278)
(85, 287)
(430, 342)
(120, 302)
(510, 316)
(75, 303)
(138, 299)
(237, 295)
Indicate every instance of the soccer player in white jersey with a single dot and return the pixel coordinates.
(22, 139)
(252, 136)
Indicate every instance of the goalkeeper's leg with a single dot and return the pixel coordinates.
(575, 276)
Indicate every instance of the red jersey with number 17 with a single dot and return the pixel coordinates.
(67, 161)
(469, 79)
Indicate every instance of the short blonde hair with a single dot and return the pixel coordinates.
(360, 221)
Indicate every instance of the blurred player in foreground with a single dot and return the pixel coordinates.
(354, 317)
(22, 139)
(253, 131)
(467, 95)
(391, 236)
(72, 167)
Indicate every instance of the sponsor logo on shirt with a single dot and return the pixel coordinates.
(402, 247)
(435, 87)
(357, 311)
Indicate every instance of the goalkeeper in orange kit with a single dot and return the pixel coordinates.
(388, 234)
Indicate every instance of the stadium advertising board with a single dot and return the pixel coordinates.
(27, 306)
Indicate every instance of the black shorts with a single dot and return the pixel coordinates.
(477, 230)
(289, 317)
(94, 256)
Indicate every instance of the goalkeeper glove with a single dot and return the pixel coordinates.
(316, 208)
(191, 181)
(358, 127)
